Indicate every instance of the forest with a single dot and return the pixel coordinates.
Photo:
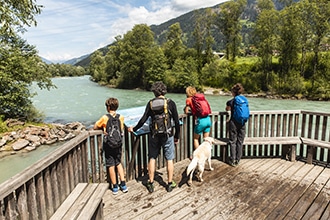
(284, 52)
(278, 51)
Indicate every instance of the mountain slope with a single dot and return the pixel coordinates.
(187, 22)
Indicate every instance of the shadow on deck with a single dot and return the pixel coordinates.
(256, 189)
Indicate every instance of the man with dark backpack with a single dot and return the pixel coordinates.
(162, 111)
(238, 110)
(112, 125)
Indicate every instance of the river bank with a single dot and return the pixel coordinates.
(215, 91)
(28, 138)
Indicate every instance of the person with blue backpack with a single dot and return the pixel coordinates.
(239, 112)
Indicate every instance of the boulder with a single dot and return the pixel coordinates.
(31, 137)
(2, 142)
(20, 144)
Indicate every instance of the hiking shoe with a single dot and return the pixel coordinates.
(124, 188)
(150, 187)
(232, 163)
(115, 190)
(171, 186)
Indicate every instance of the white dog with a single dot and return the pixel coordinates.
(200, 155)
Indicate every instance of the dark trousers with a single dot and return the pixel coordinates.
(236, 138)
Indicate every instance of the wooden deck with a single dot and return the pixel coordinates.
(256, 189)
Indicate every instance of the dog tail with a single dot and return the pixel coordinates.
(192, 166)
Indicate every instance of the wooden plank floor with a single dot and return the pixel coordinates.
(256, 189)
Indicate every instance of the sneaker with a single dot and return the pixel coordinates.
(237, 162)
(232, 163)
(124, 188)
(115, 190)
(150, 187)
(171, 186)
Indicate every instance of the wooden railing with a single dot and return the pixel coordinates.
(39, 190)
(315, 126)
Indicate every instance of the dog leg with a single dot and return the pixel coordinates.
(190, 177)
(209, 161)
(201, 170)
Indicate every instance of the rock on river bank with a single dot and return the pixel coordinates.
(32, 136)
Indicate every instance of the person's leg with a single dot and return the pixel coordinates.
(151, 169)
(169, 154)
(232, 141)
(110, 163)
(206, 134)
(196, 140)
(170, 170)
(207, 127)
(153, 151)
(239, 143)
(198, 130)
(112, 173)
(121, 174)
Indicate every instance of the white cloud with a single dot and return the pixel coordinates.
(70, 29)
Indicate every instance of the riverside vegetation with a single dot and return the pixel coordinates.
(268, 49)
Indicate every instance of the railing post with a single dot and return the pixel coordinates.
(310, 153)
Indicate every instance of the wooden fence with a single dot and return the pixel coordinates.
(40, 189)
(313, 125)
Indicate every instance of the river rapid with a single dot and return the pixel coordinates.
(79, 99)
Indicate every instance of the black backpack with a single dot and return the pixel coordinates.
(114, 137)
(160, 121)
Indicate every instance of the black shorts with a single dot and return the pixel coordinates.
(112, 156)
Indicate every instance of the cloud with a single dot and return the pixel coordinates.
(184, 5)
(70, 29)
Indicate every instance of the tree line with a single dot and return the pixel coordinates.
(286, 54)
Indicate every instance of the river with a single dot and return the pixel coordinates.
(79, 99)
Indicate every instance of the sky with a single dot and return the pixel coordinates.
(68, 29)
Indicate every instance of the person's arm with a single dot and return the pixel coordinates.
(143, 119)
(175, 117)
(101, 123)
(229, 109)
(187, 108)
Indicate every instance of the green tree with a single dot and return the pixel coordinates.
(209, 40)
(198, 40)
(288, 46)
(97, 67)
(136, 54)
(266, 38)
(302, 12)
(228, 22)
(183, 74)
(113, 62)
(20, 65)
(319, 23)
(157, 67)
(15, 15)
(203, 38)
(174, 47)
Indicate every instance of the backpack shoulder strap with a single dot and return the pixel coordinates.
(110, 118)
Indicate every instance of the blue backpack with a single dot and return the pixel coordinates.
(241, 111)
